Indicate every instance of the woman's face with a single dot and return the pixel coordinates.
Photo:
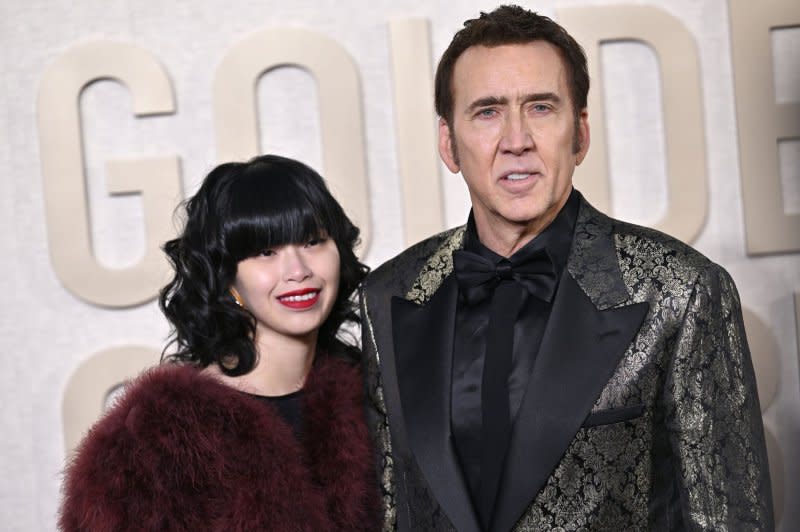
(290, 289)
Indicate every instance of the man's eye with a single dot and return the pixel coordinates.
(487, 113)
(541, 107)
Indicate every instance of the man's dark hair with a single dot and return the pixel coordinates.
(511, 24)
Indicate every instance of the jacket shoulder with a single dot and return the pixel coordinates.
(400, 271)
(651, 259)
(635, 239)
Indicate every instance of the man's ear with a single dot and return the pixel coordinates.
(583, 136)
(447, 149)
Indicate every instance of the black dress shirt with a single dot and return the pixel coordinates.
(469, 344)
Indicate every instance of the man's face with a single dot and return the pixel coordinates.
(512, 136)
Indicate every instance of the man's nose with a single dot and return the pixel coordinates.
(517, 137)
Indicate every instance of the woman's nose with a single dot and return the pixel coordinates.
(294, 264)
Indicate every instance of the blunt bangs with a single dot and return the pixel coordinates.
(269, 211)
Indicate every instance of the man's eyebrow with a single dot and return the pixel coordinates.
(542, 97)
(487, 101)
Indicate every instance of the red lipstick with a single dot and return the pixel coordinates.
(299, 299)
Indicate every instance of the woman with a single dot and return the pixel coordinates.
(257, 422)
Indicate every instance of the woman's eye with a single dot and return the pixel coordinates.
(315, 242)
(267, 252)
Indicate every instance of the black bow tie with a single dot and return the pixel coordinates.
(477, 276)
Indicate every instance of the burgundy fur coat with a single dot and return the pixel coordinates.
(182, 452)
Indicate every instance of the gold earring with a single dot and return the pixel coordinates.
(237, 297)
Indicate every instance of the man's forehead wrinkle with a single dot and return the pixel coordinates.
(505, 91)
(477, 79)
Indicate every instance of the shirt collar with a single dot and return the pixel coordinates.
(556, 237)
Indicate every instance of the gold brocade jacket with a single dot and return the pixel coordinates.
(641, 411)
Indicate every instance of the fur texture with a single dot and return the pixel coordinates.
(183, 452)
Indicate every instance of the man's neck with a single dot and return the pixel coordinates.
(505, 238)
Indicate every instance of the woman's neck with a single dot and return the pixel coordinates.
(281, 368)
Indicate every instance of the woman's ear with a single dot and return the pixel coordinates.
(237, 297)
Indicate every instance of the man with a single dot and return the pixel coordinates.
(546, 367)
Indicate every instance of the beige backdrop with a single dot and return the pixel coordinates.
(113, 111)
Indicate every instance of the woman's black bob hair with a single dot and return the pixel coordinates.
(241, 209)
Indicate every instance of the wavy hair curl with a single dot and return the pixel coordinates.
(240, 209)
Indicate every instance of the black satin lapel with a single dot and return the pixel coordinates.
(593, 261)
(581, 348)
(423, 347)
